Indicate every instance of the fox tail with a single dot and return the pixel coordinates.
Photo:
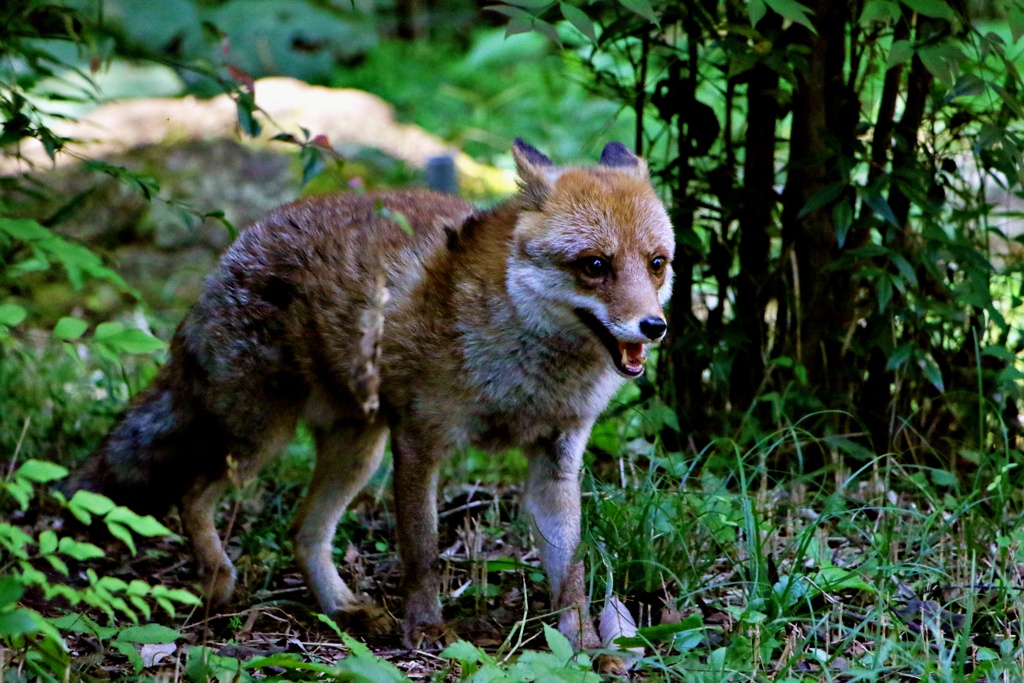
(151, 458)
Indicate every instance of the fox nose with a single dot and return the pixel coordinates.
(653, 328)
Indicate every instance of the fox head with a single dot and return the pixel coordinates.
(592, 253)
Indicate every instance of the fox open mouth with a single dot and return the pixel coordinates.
(628, 357)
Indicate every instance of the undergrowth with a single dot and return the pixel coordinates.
(735, 567)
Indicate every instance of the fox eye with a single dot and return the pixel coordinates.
(658, 265)
(594, 266)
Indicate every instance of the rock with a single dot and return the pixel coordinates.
(169, 164)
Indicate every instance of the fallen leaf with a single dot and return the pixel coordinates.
(155, 654)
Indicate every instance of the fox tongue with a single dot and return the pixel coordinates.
(632, 355)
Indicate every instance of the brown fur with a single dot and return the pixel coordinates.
(327, 309)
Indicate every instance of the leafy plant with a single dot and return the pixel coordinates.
(878, 280)
(560, 664)
(36, 566)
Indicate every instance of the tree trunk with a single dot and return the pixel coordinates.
(755, 221)
(685, 354)
(824, 120)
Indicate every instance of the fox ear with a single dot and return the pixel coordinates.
(616, 155)
(524, 151)
(537, 175)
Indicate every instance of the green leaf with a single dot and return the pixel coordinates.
(58, 564)
(900, 53)
(968, 85)
(899, 356)
(112, 584)
(883, 289)
(547, 29)
(18, 622)
(288, 660)
(505, 564)
(356, 648)
(176, 594)
(579, 19)
(312, 163)
(70, 328)
(842, 217)
(15, 541)
(906, 270)
(129, 651)
(1015, 19)
(794, 11)
(148, 634)
(756, 9)
(1000, 352)
(943, 478)
(79, 550)
(108, 329)
(21, 491)
(520, 21)
(11, 591)
(684, 641)
(467, 653)
(362, 662)
(934, 58)
(246, 104)
(932, 373)
(397, 216)
(11, 314)
(47, 541)
(931, 8)
(24, 229)
(141, 606)
(661, 632)
(122, 534)
(822, 198)
(90, 502)
(838, 578)
(883, 11)
(142, 525)
(166, 605)
(558, 644)
(874, 199)
(40, 471)
(792, 589)
(531, 4)
(131, 341)
(330, 622)
(644, 8)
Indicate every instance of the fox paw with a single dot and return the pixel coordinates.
(218, 584)
(611, 665)
(428, 636)
(364, 617)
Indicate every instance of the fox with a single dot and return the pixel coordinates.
(411, 317)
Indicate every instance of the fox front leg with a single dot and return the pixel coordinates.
(415, 481)
(553, 505)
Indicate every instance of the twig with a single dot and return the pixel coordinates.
(17, 448)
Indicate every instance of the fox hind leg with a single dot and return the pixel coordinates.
(199, 504)
(197, 517)
(347, 456)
